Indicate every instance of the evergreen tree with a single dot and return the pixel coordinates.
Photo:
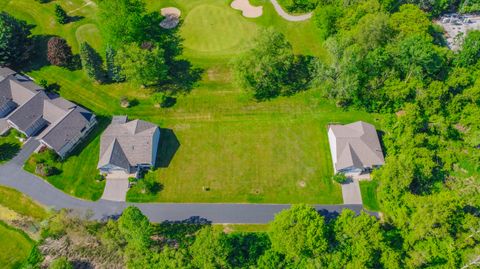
(113, 70)
(91, 62)
(15, 40)
(60, 14)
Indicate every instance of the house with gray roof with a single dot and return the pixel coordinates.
(128, 146)
(58, 123)
(355, 147)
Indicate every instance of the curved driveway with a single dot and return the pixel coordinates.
(13, 175)
(287, 16)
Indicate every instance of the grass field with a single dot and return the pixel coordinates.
(216, 137)
(15, 247)
(21, 204)
(9, 145)
(369, 195)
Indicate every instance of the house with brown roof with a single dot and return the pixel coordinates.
(128, 146)
(56, 122)
(355, 147)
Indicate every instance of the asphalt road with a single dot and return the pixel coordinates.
(13, 175)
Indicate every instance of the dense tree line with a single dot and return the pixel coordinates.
(298, 238)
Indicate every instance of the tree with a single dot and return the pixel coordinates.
(113, 70)
(60, 14)
(91, 62)
(15, 42)
(264, 68)
(59, 52)
(359, 240)
(210, 249)
(135, 227)
(326, 18)
(60, 263)
(470, 52)
(121, 21)
(298, 232)
(143, 66)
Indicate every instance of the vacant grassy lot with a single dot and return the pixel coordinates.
(15, 247)
(218, 145)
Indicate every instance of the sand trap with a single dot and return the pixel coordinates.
(172, 17)
(247, 9)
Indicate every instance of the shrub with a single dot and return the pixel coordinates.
(59, 52)
(340, 178)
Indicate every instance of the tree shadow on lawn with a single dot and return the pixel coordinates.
(182, 74)
(38, 59)
(180, 231)
(8, 151)
(167, 148)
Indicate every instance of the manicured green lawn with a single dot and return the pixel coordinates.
(9, 145)
(15, 247)
(21, 204)
(218, 145)
(369, 195)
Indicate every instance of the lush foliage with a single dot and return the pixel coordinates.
(91, 62)
(271, 69)
(142, 65)
(15, 42)
(299, 5)
(396, 62)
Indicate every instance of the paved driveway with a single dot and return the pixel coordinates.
(351, 193)
(115, 189)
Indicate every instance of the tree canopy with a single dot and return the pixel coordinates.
(15, 41)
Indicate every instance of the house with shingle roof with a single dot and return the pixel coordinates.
(355, 147)
(128, 146)
(56, 122)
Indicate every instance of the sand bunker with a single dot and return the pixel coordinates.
(247, 9)
(172, 17)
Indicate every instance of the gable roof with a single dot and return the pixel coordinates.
(357, 145)
(67, 128)
(35, 107)
(127, 143)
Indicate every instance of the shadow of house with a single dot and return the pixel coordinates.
(167, 148)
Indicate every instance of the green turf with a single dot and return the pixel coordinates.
(9, 145)
(239, 149)
(15, 247)
(21, 204)
(369, 195)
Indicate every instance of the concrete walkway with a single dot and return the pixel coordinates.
(13, 175)
(287, 16)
